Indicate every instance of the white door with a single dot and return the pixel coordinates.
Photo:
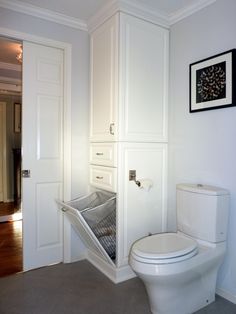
(2, 149)
(42, 146)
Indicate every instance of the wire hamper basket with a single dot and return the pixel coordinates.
(99, 211)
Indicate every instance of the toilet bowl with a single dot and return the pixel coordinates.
(181, 281)
(179, 270)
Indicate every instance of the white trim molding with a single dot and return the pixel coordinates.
(188, 10)
(127, 6)
(226, 295)
(115, 274)
(49, 15)
(144, 12)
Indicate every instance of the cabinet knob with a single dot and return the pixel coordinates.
(112, 128)
(99, 178)
(99, 154)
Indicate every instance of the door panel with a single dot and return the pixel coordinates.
(42, 145)
(46, 193)
(48, 114)
(143, 80)
(140, 211)
(104, 64)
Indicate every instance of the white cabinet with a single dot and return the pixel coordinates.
(103, 154)
(128, 125)
(103, 177)
(140, 210)
(143, 81)
(129, 79)
(104, 73)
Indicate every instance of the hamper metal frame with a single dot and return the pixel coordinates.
(98, 234)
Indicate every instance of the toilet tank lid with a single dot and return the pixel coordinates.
(202, 189)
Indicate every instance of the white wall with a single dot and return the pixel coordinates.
(80, 76)
(203, 145)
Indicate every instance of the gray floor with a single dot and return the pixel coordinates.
(79, 288)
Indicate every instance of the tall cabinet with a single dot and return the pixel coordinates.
(128, 124)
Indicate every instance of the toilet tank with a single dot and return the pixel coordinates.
(202, 211)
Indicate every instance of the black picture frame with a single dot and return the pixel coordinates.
(212, 82)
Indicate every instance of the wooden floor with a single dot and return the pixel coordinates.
(8, 208)
(10, 247)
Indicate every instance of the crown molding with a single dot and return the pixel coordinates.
(45, 14)
(102, 15)
(145, 13)
(10, 66)
(188, 10)
(128, 7)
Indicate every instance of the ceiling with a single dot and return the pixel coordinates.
(85, 9)
(10, 68)
(8, 51)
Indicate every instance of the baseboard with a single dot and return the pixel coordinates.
(82, 257)
(115, 274)
(226, 295)
(13, 217)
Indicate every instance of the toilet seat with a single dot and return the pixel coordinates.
(164, 248)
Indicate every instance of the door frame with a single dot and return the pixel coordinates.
(4, 153)
(66, 47)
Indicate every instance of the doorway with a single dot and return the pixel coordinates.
(10, 156)
(44, 230)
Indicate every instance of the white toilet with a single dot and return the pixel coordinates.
(179, 270)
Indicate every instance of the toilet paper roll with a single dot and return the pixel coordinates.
(146, 184)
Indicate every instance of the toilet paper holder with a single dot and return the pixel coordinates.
(132, 177)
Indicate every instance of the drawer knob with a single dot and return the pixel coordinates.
(99, 178)
(99, 154)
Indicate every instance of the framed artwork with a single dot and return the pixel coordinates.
(17, 118)
(212, 82)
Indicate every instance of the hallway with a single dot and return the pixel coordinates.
(10, 247)
(10, 212)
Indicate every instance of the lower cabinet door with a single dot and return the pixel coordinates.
(103, 177)
(142, 204)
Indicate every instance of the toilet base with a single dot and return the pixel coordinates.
(181, 295)
(177, 304)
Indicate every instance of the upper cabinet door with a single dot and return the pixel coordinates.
(104, 81)
(144, 56)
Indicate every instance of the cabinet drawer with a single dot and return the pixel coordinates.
(103, 177)
(104, 154)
